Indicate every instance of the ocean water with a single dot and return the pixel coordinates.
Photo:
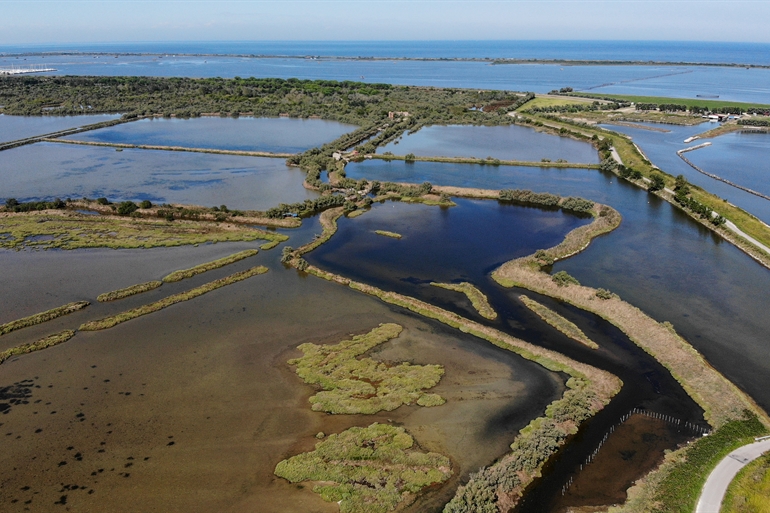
(229, 60)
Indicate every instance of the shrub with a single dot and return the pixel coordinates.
(605, 294)
(563, 279)
(657, 182)
(145, 204)
(127, 208)
(103, 201)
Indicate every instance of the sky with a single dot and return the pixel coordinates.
(76, 21)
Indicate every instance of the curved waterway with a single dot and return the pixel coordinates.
(275, 135)
(47, 170)
(659, 260)
(476, 236)
(510, 142)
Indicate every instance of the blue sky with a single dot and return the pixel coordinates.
(42, 21)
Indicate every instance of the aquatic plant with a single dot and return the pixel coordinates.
(385, 233)
(43, 343)
(109, 322)
(128, 291)
(372, 469)
(478, 299)
(558, 322)
(42, 317)
(352, 385)
(202, 268)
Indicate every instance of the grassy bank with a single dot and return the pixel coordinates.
(128, 291)
(42, 317)
(329, 224)
(476, 297)
(634, 160)
(749, 491)
(69, 230)
(43, 343)
(372, 469)
(689, 102)
(109, 322)
(385, 233)
(202, 268)
(589, 389)
(487, 161)
(354, 385)
(676, 485)
(558, 322)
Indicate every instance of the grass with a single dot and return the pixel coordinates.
(70, 230)
(328, 220)
(351, 385)
(385, 233)
(128, 291)
(552, 101)
(43, 343)
(477, 298)
(689, 102)
(109, 322)
(750, 490)
(216, 264)
(558, 322)
(42, 317)
(372, 469)
(269, 245)
(488, 161)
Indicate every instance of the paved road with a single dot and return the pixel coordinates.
(720, 478)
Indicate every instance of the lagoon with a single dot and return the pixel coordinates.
(275, 135)
(47, 170)
(501, 142)
(13, 128)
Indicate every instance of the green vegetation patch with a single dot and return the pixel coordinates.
(385, 233)
(558, 322)
(43, 343)
(42, 317)
(749, 491)
(216, 264)
(478, 299)
(109, 322)
(373, 469)
(688, 102)
(128, 291)
(681, 488)
(69, 230)
(352, 385)
(269, 245)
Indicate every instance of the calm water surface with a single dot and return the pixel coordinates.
(500, 142)
(734, 84)
(741, 158)
(277, 135)
(47, 170)
(20, 127)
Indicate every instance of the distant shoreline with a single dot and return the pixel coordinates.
(489, 60)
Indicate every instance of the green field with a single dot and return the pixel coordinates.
(690, 102)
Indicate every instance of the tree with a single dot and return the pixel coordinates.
(657, 182)
(409, 157)
(11, 202)
(127, 208)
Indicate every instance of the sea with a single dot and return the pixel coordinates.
(667, 70)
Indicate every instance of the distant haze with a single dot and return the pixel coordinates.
(75, 21)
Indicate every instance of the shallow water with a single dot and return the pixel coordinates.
(20, 127)
(739, 157)
(48, 170)
(204, 385)
(500, 142)
(276, 135)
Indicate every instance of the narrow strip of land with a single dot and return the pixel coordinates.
(61, 133)
(42, 317)
(486, 161)
(716, 177)
(242, 153)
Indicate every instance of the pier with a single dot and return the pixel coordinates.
(32, 68)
